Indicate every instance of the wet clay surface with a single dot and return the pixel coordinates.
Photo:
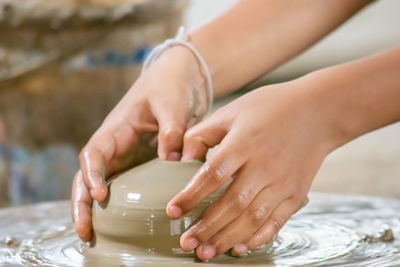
(133, 216)
(330, 230)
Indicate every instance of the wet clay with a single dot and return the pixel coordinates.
(332, 230)
(133, 216)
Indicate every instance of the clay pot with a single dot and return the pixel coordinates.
(133, 215)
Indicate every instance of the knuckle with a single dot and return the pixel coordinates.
(277, 223)
(213, 174)
(257, 215)
(172, 133)
(88, 151)
(298, 197)
(240, 200)
(83, 153)
(190, 135)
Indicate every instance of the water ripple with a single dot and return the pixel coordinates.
(332, 230)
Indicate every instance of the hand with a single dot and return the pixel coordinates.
(168, 97)
(272, 142)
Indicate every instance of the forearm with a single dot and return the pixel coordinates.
(360, 96)
(256, 36)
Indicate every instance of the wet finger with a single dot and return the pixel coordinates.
(81, 208)
(272, 226)
(228, 207)
(170, 136)
(201, 137)
(108, 142)
(93, 166)
(245, 225)
(211, 176)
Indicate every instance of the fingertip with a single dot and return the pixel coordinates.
(186, 157)
(99, 193)
(170, 142)
(193, 149)
(189, 157)
(169, 155)
(174, 211)
(84, 230)
(161, 153)
(240, 250)
(86, 237)
(174, 156)
(206, 252)
(188, 243)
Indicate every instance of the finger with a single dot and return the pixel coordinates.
(172, 126)
(228, 207)
(108, 141)
(211, 176)
(245, 225)
(271, 227)
(93, 166)
(80, 208)
(201, 137)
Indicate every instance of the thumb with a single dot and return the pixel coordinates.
(201, 137)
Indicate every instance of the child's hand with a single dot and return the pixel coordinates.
(272, 142)
(168, 97)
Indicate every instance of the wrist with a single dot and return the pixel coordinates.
(180, 60)
(324, 97)
(358, 97)
(323, 110)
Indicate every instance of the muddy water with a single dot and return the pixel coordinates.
(331, 230)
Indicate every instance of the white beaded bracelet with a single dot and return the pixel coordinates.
(178, 40)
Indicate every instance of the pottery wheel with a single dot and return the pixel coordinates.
(330, 230)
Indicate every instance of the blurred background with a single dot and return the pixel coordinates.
(64, 64)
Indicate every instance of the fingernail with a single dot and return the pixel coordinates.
(174, 211)
(240, 250)
(191, 243)
(174, 156)
(99, 194)
(185, 157)
(188, 157)
(208, 251)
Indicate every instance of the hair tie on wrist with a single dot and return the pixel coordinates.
(178, 40)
